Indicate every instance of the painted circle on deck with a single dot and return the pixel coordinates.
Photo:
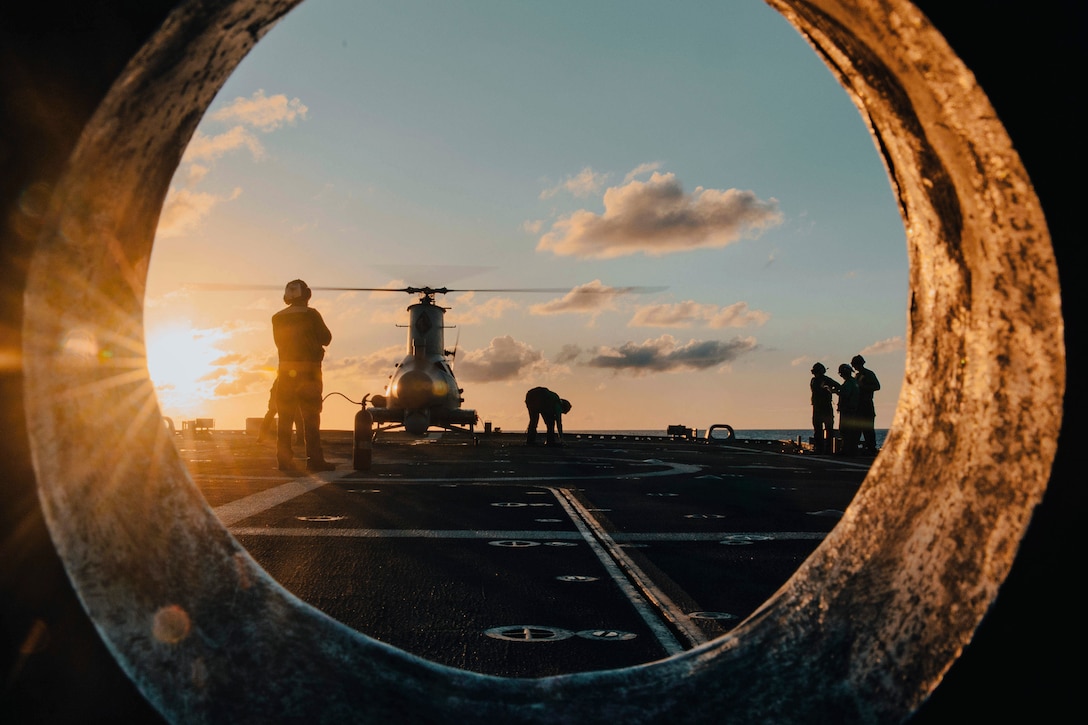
(529, 633)
(712, 615)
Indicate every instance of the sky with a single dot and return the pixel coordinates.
(699, 151)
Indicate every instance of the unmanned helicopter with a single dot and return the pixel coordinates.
(422, 391)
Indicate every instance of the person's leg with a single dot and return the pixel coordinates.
(549, 423)
(870, 435)
(530, 432)
(821, 430)
(850, 435)
(310, 412)
(285, 400)
(267, 430)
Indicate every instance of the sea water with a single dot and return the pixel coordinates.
(768, 434)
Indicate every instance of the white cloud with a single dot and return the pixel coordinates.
(592, 297)
(892, 344)
(738, 315)
(686, 314)
(379, 364)
(640, 170)
(183, 210)
(266, 113)
(466, 311)
(210, 148)
(656, 217)
(585, 183)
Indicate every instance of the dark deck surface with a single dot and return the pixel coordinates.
(488, 555)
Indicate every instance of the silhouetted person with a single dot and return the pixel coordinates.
(849, 397)
(301, 336)
(867, 385)
(268, 425)
(823, 414)
(543, 403)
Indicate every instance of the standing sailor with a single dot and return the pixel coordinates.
(301, 336)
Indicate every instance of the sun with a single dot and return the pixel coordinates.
(181, 361)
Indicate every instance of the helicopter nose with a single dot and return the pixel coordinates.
(414, 389)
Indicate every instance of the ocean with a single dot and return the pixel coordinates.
(773, 434)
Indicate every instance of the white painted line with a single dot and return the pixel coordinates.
(231, 513)
(649, 615)
(617, 557)
(671, 469)
(235, 511)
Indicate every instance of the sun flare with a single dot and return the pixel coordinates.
(182, 364)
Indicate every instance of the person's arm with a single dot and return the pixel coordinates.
(321, 331)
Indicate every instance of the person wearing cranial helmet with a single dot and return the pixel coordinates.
(823, 414)
(867, 385)
(301, 335)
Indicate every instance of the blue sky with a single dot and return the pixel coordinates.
(694, 146)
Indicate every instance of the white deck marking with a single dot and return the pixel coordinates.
(230, 513)
(235, 511)
(671, 469)
(644, 608)
(647, 598)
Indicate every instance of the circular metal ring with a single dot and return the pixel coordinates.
(865, 628)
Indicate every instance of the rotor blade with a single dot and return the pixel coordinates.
(363, 289)
(232, 287)
(550, 290)
(440, 290)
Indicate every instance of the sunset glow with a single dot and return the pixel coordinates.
(184, 365)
